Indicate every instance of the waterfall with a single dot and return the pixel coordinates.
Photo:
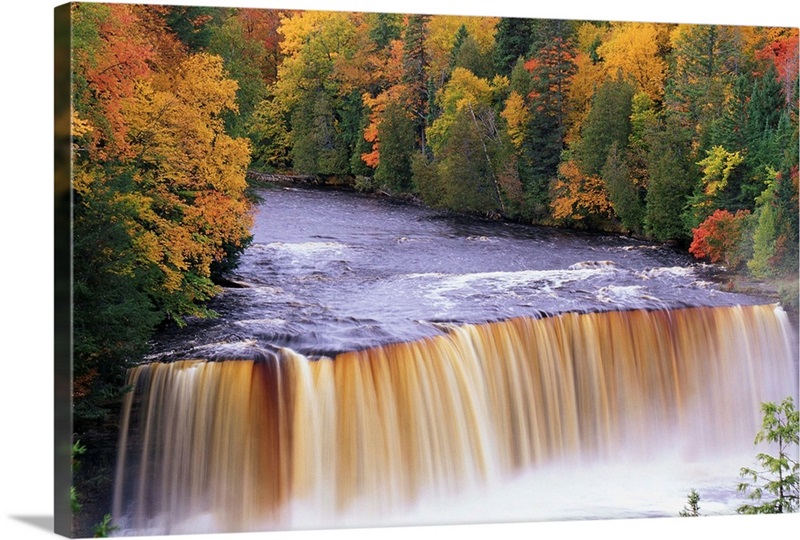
(246, 444)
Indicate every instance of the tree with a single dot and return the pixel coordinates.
(192, 24)
(766, 232)
(396, 134)
(242, 55)
(718, 166)
(579, 198)
(627, 198)
(692, 508)
(551, 67)
(469, 56)
(442, 39)
(513, 41)
(670, 183)
(705, 63)
(465, 169)
(632, 50)
(325, 65)
(608, 123)
(778, 475)
(719, 238)
(415, 77)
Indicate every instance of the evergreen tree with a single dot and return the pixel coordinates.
(193, 25)
(608, 123)
(458, 41)
(317, 144)
(705, 64)
(385, 28)
(670, 185)
(396, 135)
(551, 69)
(352, 115)
(469, 56)
(512, 41)
(627, 199)
(779, 475)
(242, 57)
(520, 79)
(427, 182)
(415, 62)
(692, 508)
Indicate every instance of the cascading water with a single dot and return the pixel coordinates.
(383, 364)
(252, 445)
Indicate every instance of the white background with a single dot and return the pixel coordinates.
(26, 290)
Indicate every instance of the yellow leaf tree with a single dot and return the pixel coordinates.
(579, 198)
(190, 205)
(633, 48)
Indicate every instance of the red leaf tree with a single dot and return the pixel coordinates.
(719, 238)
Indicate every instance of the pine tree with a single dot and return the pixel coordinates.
(415, 62)
(692, 508)
(671, 183)
(512, 42)
(396, 135)
(608, 123)
(627, 199)
(551, 69)
(779, 475)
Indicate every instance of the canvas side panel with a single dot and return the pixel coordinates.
(62, 273)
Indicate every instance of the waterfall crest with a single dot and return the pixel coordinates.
(242, 444)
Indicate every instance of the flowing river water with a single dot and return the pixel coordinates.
(380, 363)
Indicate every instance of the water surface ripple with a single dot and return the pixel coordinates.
(330, 271)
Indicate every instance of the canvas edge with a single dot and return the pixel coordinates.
(62, 436)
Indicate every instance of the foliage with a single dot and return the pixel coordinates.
(105, 528)
(717, 168)
(242, 57)
(626, 197)
(778, 475)
(578, 197)
(427, 182)
(516, 116)
(397, 144)
(513, 37)
(416, 59)
(464, 90)
(670, 183)
(158, 189)
(766, 234)
(608, 123)
(551, 67)
(465, 167)
(692, 507)
(700, 117)
(719, 238)
(632, 50)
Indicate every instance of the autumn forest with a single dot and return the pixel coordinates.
(686, 134)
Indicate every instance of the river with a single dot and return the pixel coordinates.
(397, 365)
(331, 271)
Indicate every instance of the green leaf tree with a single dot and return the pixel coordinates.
(778, 475)
(608, 123)
(396, 133)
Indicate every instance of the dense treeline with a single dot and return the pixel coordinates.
(681, 133)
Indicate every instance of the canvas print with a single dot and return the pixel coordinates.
(329, 269)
